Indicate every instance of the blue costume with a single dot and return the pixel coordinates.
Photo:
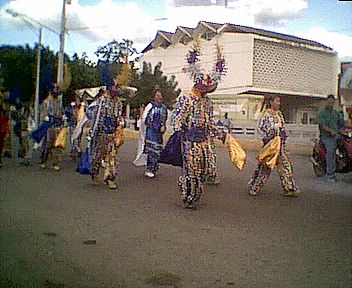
(155, 123)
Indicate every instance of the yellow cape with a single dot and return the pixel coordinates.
(236, 152)
(60, 140)
(269, 154)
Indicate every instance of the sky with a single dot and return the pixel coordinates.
(94, 23)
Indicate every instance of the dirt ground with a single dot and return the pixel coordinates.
(142, 237)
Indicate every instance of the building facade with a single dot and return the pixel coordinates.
(345, 86)
(259, 62)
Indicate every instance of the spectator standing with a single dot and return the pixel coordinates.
(227, 122)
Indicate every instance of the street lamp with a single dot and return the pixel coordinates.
(36, 99)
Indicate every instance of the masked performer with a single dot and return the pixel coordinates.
(51, 114)
(193, 117)
(105, 120)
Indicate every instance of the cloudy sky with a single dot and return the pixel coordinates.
(93, 23)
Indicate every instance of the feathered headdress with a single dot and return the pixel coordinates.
(205, 82)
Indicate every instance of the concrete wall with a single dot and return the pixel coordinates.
(237, 50)
(282, 67)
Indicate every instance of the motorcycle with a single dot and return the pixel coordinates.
(343, 155)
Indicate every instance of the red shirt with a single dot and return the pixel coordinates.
(4, 125)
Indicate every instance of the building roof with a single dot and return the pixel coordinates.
(90, 92)
(93, 92)
(164, 39)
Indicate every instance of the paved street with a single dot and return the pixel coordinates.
(143, 237)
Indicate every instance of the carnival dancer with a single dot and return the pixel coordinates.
(193, 117)
(76, 150)
(214, 180)
(71, 123)
(154, 120)
(27, 127)
(105, 118)
(82, 120)
(51, 113)
(274, 152)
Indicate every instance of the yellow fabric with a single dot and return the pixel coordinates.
(119, 139)
(80, 113)
(61, 138)
(270, 153)
(236, 152)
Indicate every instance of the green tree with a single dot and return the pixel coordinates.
(147, 80)
(48, 71)
(114, 61)
(17, 70)
(83, 75)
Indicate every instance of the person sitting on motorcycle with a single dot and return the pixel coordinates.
(330, 121)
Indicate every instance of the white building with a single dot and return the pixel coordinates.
(259, 62)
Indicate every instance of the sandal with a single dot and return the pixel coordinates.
(95, 180)
(252, 193)
(111, 184)
(213, 182)
(56, 167)
(189, 206)
(290, 194)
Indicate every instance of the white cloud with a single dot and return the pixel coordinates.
(108, 20)
(247, 12)
(341, 43)
(103, 22)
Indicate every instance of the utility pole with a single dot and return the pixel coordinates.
(36, 99)
(60, 60)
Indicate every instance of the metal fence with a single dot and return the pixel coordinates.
(303, 134)
(297, 133)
